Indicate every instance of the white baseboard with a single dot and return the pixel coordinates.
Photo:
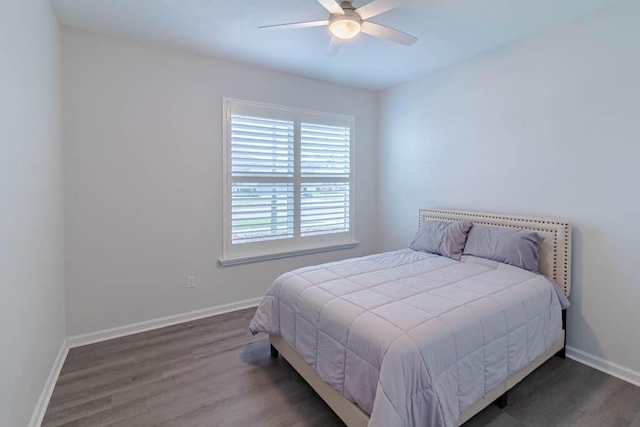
(121, 331)
(603, 365)
(47, 390)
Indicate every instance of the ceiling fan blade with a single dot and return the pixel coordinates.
(387, 33)
(295, 25)
(331, 6)
(334, 46)
(376, 7)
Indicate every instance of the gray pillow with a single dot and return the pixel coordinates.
(510, 246)
(442, 238)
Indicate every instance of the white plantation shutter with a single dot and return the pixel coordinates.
(325, 152)
(289, 180)
(261, 211)
(261, 147)
(324, 208)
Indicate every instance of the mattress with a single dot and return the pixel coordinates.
(413, 338)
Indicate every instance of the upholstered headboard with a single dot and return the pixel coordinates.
(555, 250)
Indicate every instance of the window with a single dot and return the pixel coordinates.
(288, 181)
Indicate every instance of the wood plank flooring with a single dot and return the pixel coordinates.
(212, 372)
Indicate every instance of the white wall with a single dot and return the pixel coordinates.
(548, 126)
(32, 325)
(143, 179)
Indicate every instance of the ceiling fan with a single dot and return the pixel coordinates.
(345, 22)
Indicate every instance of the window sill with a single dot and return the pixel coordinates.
(255, 258)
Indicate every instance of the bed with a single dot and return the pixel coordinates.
(410, 338)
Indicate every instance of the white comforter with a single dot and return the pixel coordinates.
(413, 338)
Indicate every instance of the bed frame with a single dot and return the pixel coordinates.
(555, 263)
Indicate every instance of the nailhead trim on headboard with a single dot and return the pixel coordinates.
(559, 268)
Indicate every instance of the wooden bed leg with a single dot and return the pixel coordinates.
(503, 400)
(274, 352)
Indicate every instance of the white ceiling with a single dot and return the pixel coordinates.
(448, 31)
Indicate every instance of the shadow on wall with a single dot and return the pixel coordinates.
(578, 328)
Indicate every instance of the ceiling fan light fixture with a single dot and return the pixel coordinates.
(346, 22)
(345, 27)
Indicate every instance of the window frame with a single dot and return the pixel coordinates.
(297, 245)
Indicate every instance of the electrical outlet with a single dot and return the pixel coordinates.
(191, 282)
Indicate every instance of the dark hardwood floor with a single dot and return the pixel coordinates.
(212, 372)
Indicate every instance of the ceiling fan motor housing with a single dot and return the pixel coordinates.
(346, 5)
